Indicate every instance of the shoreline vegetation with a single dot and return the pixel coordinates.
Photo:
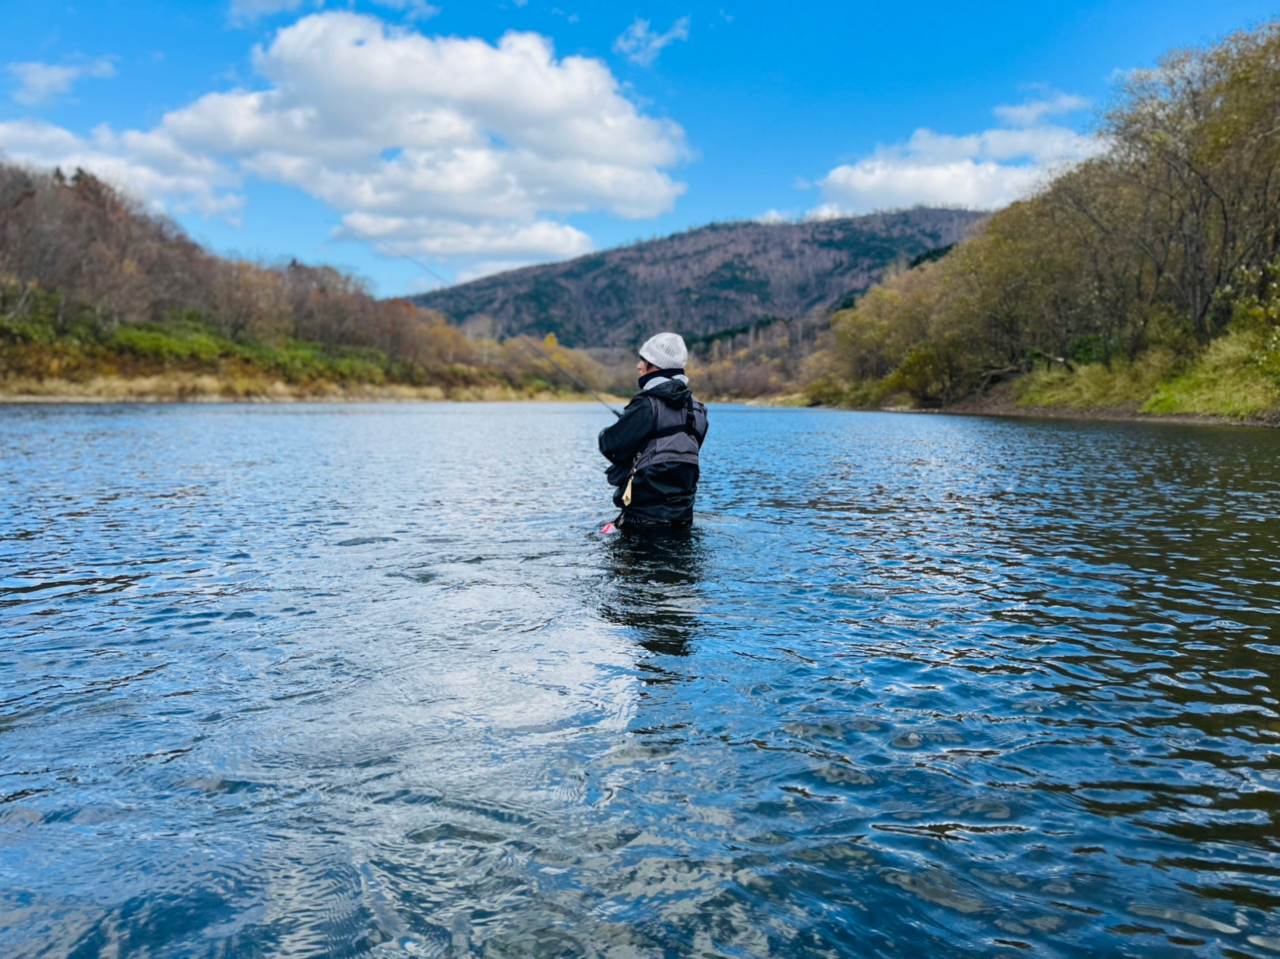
(1142, 283)
(187, 361)
(100, 298)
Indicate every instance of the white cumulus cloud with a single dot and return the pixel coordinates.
(442, 146)
(146, 165)
(431, 237)
(641, 45)
(981, 170)
(40, 82)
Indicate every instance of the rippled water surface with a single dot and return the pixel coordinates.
(365, 681)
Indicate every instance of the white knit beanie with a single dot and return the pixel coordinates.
(666, 351)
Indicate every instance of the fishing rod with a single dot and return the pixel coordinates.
(520, 339)
(547, 356)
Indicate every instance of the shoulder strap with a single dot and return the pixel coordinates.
(690, 424)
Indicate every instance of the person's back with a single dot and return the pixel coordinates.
(654, 446)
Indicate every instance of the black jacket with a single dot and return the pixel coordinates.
(662, 491)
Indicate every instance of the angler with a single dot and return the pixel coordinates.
(653, 448)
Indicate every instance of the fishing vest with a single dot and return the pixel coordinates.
(676, 437)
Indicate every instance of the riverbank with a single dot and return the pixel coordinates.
(190, 357)
(1003, 400)
(176, 387)
(190, 361)
(1232, 380)
(186, 387)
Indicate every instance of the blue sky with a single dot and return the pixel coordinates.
(477, 136)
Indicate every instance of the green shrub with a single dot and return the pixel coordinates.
(183, 343)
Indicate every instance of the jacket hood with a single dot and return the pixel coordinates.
(672, 392)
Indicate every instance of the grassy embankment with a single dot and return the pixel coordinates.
(1224, 380)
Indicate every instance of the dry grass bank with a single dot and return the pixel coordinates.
(1004, 400)
(176, 386)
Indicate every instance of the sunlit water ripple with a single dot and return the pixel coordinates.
(364, 681)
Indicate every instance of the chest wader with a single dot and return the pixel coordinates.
(677, 436)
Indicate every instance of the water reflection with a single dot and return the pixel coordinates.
(655, 586)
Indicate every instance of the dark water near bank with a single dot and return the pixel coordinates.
(361, 681)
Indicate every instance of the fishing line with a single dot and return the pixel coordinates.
(546, 356)
(396, 250)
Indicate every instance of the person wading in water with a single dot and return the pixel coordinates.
(653, 448)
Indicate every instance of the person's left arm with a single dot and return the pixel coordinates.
(621, 441)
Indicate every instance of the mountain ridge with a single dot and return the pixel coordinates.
(699, 282)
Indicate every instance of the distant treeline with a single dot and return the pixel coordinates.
(1156, 257)
(92, 284)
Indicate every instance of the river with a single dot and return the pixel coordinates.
(364, 680)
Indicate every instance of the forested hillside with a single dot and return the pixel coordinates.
(1144, 279)
(94, 289)
(716, 280)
